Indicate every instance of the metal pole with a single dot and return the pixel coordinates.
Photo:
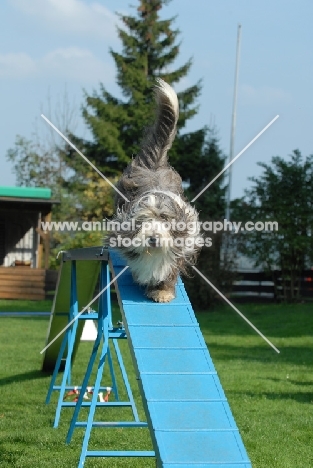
(233, 125)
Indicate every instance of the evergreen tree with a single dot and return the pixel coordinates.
(203, 165)
(149, 49)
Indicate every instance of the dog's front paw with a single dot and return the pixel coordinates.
(161, 296)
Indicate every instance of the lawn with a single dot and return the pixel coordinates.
(12, 305)
(270, 394)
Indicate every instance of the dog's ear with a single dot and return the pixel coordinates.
(128, 183)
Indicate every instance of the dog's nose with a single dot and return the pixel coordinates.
(153, 241)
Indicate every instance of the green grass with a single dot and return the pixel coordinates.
(270, 394)
(12, 305)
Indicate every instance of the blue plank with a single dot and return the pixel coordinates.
(168, 416)
(182, 387)
(169, 337)
(189, 417)
(155, 314)
(171, 360)
(200, 447)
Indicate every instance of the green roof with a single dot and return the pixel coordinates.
(25, 192)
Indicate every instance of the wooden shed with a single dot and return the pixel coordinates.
(24, 248)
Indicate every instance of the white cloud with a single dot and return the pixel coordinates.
(263, 95)
(71, 16)
(16, 65)
(77, 64)
(70, 63)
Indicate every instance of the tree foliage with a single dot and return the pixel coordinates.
(282, 193)
(42, 162)
(204, 165)
(34, 165)
(149, 49)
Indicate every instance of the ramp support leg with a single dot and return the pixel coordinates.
(70, 343)
(103, 332)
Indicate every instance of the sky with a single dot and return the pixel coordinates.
(55, 47)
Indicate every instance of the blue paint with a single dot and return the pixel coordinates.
(190, 420)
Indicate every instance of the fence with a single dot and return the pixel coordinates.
(23, 282)
(260, 286)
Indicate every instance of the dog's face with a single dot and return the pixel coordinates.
(159, 222)
(152, 216)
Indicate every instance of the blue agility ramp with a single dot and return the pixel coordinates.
(188, 415)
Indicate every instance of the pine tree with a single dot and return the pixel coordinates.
(149, 49)
(203, 166)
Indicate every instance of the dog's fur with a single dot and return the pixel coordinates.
(155, 194)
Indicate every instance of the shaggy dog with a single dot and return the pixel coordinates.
(156, 230)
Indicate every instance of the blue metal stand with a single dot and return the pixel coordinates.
(104, 322)
(68, 341)
(105, 332)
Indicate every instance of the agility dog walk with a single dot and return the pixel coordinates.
(187, 413)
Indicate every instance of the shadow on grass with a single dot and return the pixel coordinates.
(300, 355)
(292, 381)
(300, 397)
(26, 376)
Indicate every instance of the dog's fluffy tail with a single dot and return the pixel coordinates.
(159, 138)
